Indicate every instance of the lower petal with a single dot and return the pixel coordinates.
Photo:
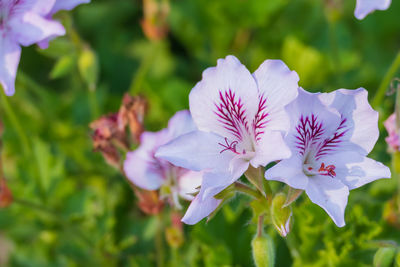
(355, 170)
(197, 151)
(10, 53)
(290, 172)
(200, 208)
(331, 195)
(364, 7)
(189, 184)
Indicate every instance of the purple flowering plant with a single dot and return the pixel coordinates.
(23, 23)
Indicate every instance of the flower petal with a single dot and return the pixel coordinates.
(330, 194)
(10, 53)
(290, 172)
(279, 86)
(360, 125)
(33, 28)
(199, 209)
(181, 123)
(271, 147)
(364, 7)
(311, 121)
(355, 170)
(223, 101)
(189, 184)
(67, 5)
(197, 151)
(141, 167)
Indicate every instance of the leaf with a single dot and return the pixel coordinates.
(293, 195)
(63, 66)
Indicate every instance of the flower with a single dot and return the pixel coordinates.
(60, 5)
(148, 172)
(241, 120)
(23, 23)
(364, 7)
(330, 136)
(393, 139)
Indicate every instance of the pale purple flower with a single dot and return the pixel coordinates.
(60, 5)
(364, 7)
(393, 139)
(148, 172)
(23, 23)
(330, 137)
(241, 119)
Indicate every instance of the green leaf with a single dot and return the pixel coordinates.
(63, 66)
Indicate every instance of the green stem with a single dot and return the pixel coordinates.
(94, 107)
(242, 188)
(380, 94)
(9, 112)
(260, 226)
(159, 242)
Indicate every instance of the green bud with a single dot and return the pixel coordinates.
(263, 251)
(397, 260)
(89, 67)
(384, 257)
(281, 214)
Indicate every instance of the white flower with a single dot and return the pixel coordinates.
(241, 119)
(330, 136)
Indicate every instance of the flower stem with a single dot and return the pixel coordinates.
(260, 226)
(16, 124)
(380, 94)
(243, 188)
(159, 242)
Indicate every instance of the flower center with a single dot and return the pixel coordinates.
(328, 170)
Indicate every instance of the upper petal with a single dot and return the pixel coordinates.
(331, 195)
(181, 123)
(278, 85)
(10, 53)
(197, 151)
(311, 122)
(364, 7)
(290, 172)
(359, 120)
(225, 100)
(32, 28)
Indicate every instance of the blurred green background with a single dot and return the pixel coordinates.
(72, 209)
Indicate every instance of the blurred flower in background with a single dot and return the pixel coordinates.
(23, 23)
(151, 173)
(364, 7)
(392, 140)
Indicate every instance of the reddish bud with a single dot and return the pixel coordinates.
(149, 201)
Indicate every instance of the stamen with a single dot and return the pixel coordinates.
(230, 146)
(328, 170)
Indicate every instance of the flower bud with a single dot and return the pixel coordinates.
(174, 236)
(281, 214)
(384, 257)
(263, 251)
